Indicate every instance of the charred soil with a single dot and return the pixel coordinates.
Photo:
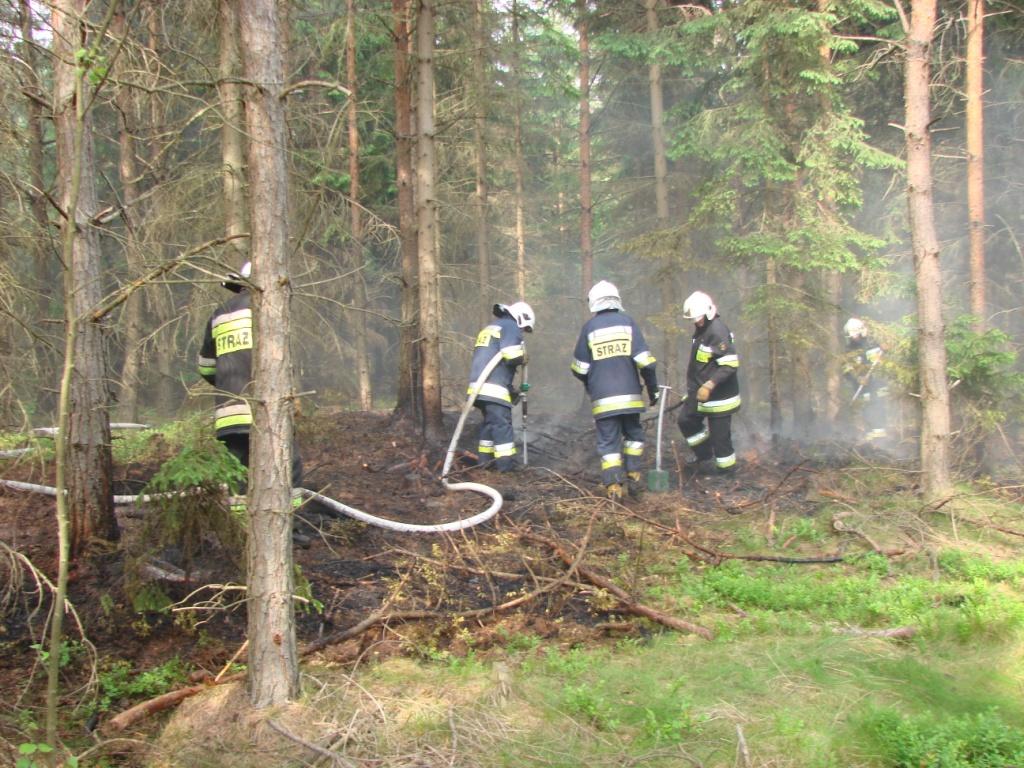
(559, 561)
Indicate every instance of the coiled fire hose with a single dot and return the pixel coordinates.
(380, 522)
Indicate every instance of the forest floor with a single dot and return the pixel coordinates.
(559, 564)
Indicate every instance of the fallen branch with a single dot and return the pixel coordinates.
(144, 709)
(901, 633)
(338, 759)
(629, 604)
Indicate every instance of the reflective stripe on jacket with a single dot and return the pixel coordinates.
(503, 336)
(225, 360)
(610, 358)
(713, 358)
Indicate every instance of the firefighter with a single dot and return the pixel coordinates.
(860, 369)
(712, 387)
(225, 360)
(496, 447)
(610, 359)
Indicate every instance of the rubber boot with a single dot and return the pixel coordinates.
(635, 484)
(613, 491)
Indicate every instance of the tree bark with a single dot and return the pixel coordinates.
(667, 271)
(935, 437)
(358, 262)
(483, 253)
(232, 133)
(517, 113)
(89, 463)
(409, 397)
(273, 661)
(128, 399)
(976, 157)
(586, 196)
(426, 217)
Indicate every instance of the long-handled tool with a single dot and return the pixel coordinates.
(657, 478)
(864, 382)
(524, 387)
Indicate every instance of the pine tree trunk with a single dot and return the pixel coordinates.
(517, 111)
(426, 218)
(666, 274)
(408, 401)
(232, 134)
(586, 196)
(89, 463)
(935, 435)
(273, 662)
(362, 352)
(483, 254)
(976, 157)
(128, 399)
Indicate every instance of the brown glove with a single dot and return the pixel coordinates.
(705, 391)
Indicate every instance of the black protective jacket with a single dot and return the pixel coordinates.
(610, 358)
(504, 337)
(225, 360)
(713, 358)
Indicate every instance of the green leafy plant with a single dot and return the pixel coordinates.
(973, 741)
(120, 681)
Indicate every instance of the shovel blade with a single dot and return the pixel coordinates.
(657, 481)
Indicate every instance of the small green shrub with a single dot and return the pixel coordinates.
(978, 741)
(118, 681)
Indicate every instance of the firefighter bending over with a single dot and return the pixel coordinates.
(496, 445)
(712, 387)
(610, 358)
(860, 370)
(225, 360)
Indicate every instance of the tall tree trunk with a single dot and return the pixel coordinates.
(89, 459)
(409, 397)
(84, 500)
(40, 256)
(976, 157)
(128, 172)
(41, 244)
(586, 196)
(273, 662)
(232, 133)
(161, 299)
(483, 251)
(935, 437)
(517, 116)
(358, 261)
(426, 218)
(666, 273)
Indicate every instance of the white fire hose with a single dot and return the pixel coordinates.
(380, 522)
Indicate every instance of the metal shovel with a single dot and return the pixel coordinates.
(657, 478)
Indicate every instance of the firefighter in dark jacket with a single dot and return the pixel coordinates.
(870, 391)
(225, 360)
(610, 359)
(712, 386)
(496, 395)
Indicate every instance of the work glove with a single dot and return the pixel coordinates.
(704, 393)
(654, 395)
(515, 394)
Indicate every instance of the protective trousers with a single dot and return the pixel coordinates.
(238, 446)
(496, 439)
(708, 436)
(618, 437)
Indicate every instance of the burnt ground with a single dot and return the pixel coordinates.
(536, 569)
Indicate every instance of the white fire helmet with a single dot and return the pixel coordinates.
(521, 312)
(697, 305)
(855, 328)
(233, 279)
(603, 296)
